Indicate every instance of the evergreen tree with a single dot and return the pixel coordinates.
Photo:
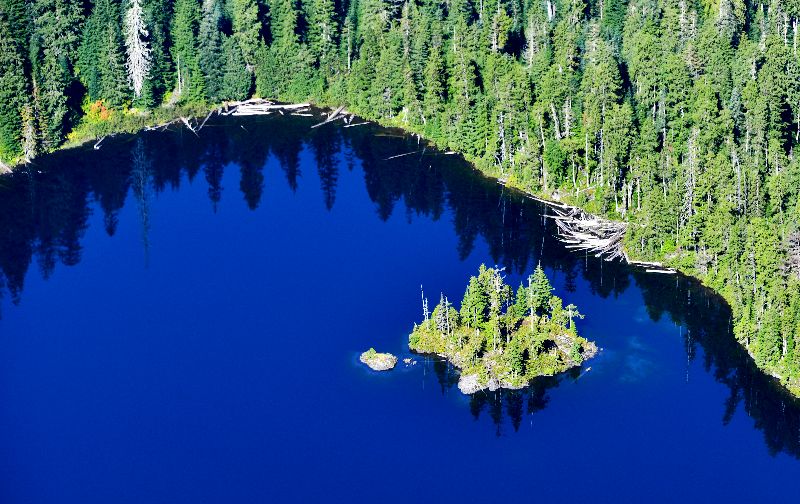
(54, 51)
(102, 62)
(246, 28)
(190, 85)
(236, 80)
(322, 33)
(475, 305)
(285, 14)
(160, 76)
(13, 92)
(434, 93)
(15, 16)
(540, 291)
(210, 48)
(387, 89)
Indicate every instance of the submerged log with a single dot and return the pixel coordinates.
(336, 114)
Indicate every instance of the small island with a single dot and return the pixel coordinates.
(378, 361)
(500, 339)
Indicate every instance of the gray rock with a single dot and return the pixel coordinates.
(468, 384)
(378, 361)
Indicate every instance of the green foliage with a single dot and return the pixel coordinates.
(540, 291)
(237, 82)
(161, 77)
(322, 33)
(555, 160)
(53, 52)
(16, 23)
(246, 28)
(101, 61)
(185, 25)
(503, 337)
(13, 89)
(210, 56)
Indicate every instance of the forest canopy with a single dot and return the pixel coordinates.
(679, 117)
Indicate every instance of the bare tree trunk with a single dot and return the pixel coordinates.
(541, 134)
(555, 121)
(639, 195)
(502, 134)
(785, 30)
(180, 80)
(425, 312)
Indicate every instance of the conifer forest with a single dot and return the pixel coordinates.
(677, 117)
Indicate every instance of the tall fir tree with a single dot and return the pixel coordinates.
(54, 50)
(13, 94)
(247, 28)
(190, 82)
(15, 14)
(101, 61)
(210, 48)
(237, 81)
(322, 30)
(161, 76)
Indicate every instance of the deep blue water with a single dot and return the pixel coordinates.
(182, 317)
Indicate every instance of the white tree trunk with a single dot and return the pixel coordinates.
(139, 58)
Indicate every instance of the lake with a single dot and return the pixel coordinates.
(182, 315)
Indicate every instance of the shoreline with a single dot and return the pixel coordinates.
(469, 384)
(163, 117)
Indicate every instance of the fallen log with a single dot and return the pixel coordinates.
(400, 155)
(188, 125)
(264, 107)
(207, 118)
(331, 117)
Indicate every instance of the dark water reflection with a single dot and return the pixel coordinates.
(45, 210)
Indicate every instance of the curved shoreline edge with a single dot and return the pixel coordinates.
(164, 117)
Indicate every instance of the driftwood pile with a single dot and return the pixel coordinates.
(603, 238)
(586, 232)
(259, 107)
(264, 107)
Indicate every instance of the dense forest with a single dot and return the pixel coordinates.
(677, 116)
